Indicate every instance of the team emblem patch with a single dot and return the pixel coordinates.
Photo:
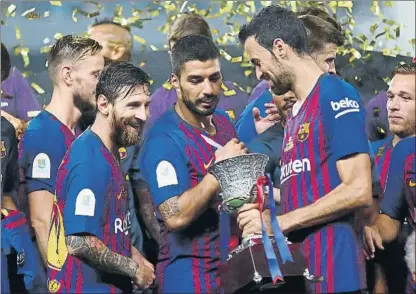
(21, 258)
(289, 145)
(3, 149)
(122, 193)
(123, 153)
(85, 203)
(412, 183)
(231, 114)
(303, 132)
(53, 286)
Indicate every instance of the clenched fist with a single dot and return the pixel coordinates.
(231, 149)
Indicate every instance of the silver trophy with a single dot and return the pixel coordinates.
(237, 177)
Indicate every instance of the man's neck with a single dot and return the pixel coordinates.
(63, 108)
(104, 131)
(193, 119)
(306, 74)
(396, 140)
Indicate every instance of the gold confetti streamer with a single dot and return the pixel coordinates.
(346, 4)
(37, 88)
(248, 72)
(225, 55)
(24, 52)
(46, 14)
(28, 11)
(56, 3)
(85, 13)
(412, 42)
(237, 59)
(18, 33)
(45, 49)
(139, 39)
(57, 36)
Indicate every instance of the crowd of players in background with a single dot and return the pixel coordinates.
(89, 221)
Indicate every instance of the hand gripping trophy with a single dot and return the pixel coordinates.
(242, 181)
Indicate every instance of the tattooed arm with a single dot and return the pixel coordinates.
(93, 251)
(179, 211)
(147, 213)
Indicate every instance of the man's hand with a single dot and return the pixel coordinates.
(249, 220)
(231, 149)
(145, 274)
(272, 112)
(263, 123)
(372, 239)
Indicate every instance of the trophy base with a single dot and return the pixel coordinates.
(247, 271)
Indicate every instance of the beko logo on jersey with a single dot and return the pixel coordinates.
(123, 225)
(347, 104)
(293, 168)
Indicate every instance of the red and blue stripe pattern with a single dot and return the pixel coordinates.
(308, 173)
(382, 160)
(189, 260)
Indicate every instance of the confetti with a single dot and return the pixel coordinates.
(153, 47)
(346, 4)
(57, 36)
(24, 52)
(56, 3)
(46, 14)
(37, 88)
(11, 10)
(139, 39)
(18, 33)
(28, 11)
(46, 41)
(45, 49)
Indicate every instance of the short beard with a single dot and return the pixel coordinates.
(84, 105)
(282, 83)
(192, 105)
(122, 137)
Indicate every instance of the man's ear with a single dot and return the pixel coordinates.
(280, 48)
(117, 52)
(103, 105)
(174, 80)
(66, 74)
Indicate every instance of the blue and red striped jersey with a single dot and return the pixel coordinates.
(15, 236)
(91, 199)
(382, 157)
(174, 158)
(400, 193)
(41, 150)
(329, 126)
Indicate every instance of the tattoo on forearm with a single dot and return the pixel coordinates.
(147, 214)
(169, 208)
(93, 251)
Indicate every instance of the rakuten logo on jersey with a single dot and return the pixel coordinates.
(346, 105)
(293, 168)
(123, 225)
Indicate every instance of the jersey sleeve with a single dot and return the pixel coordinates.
(343, 118)
(87, 188)
(165, 168)
(40, 161)
(135, 174)
(394, 202)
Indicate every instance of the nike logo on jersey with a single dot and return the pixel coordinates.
(206, 166)
(346, 105)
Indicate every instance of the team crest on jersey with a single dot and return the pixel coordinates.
(303, 132)
(412, 183)
(53, 286)
(123, 153)
(3, 149)
(289, 145)
(231, 114)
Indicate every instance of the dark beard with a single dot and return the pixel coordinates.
(122, 136)
(83, 105)
(282, 83)
(192, 105)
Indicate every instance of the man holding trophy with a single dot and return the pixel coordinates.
(325, 170)
(175, 157)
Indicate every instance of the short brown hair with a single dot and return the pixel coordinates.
(188, 24)
(404, 69)
(322, 14)
(320, 32)
(72, 48)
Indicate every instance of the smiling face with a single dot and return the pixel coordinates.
(269, 68)
(199, 85)
(129, 114)
(401, 105)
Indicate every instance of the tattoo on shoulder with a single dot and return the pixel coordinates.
(169, 208)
